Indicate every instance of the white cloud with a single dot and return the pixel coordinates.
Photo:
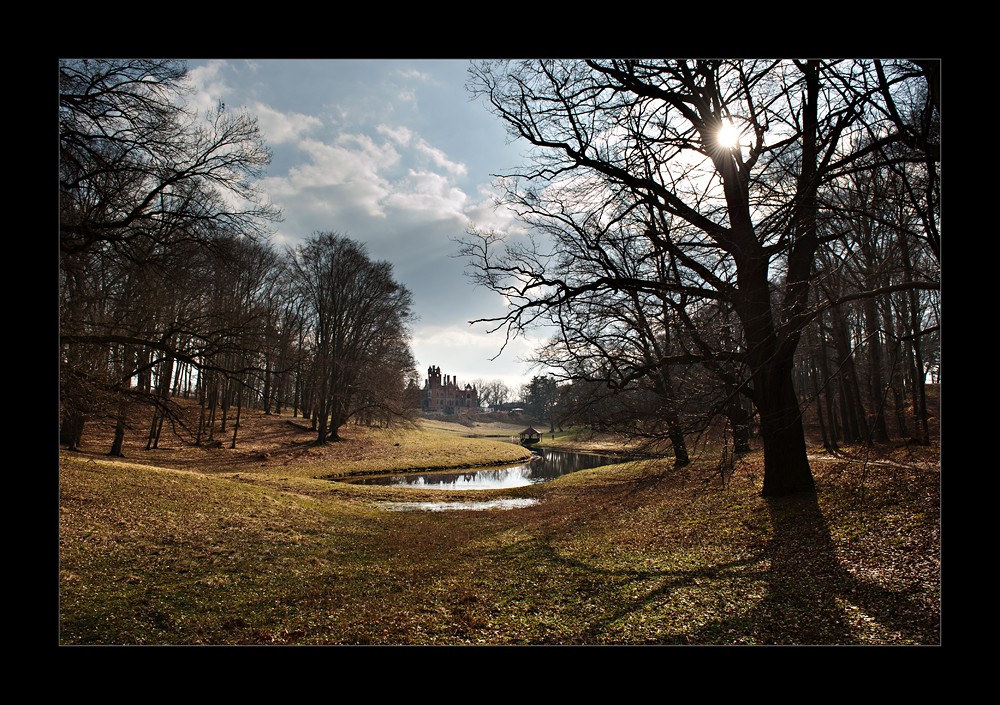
(399, 135)
(360, 175)
(439, 158)
(277, 127)
(407, 96)
(352, 162)
(414, 73)
(209, 86)
(281, 128)
(455, 337)
(428, 195)
(404, 136)
(486, 215)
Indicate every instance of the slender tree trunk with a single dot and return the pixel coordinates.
(144, 378)
(224, 403)
(828, 387)
(848, 420)
(119, 441)
(919, 383)
(178, 377)
(875, 384)
(280, 389)
(856, 426)
(320, 420)
(267, 386)
(895, 370)
(814, 374)
(663, 382)
(819, 405)
(213, 400)
(163, 392)
(239, 410)
(201, 422)
(919, 396)
(159, 430)
(739, 421)
(154, 433)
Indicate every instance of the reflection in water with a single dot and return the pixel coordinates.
(550, 465)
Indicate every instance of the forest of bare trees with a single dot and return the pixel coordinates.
(169, 286)
(687, 278)
(684, 280)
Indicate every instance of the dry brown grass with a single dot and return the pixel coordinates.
(194, 546)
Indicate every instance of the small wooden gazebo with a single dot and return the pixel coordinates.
(530, 436)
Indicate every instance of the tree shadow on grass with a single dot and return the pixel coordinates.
(809, 597)
(813, 599)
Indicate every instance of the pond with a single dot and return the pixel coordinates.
(458, 506)
(547, 465)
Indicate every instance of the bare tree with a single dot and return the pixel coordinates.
(494, 393)
(147, 189)
(634, 147)
(358, 318)
(134, 160)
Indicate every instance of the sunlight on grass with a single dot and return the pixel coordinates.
(270, 552)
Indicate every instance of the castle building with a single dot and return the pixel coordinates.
(446, 395)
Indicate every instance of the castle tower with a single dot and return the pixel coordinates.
(445, 394)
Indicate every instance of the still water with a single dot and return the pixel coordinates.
(549, 465)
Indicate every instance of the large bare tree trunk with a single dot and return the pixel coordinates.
(786, 465)
(772, 358)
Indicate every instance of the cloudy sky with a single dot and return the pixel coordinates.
(395, 154)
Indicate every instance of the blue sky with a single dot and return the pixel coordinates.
(395, 154)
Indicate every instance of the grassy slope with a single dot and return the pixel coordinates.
(248, 546)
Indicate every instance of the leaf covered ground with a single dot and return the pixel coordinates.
(258, 546)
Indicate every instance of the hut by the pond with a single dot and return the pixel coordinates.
(530, 436)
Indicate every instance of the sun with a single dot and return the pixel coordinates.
(729, 135)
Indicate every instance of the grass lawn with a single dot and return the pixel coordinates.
(257, 546)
